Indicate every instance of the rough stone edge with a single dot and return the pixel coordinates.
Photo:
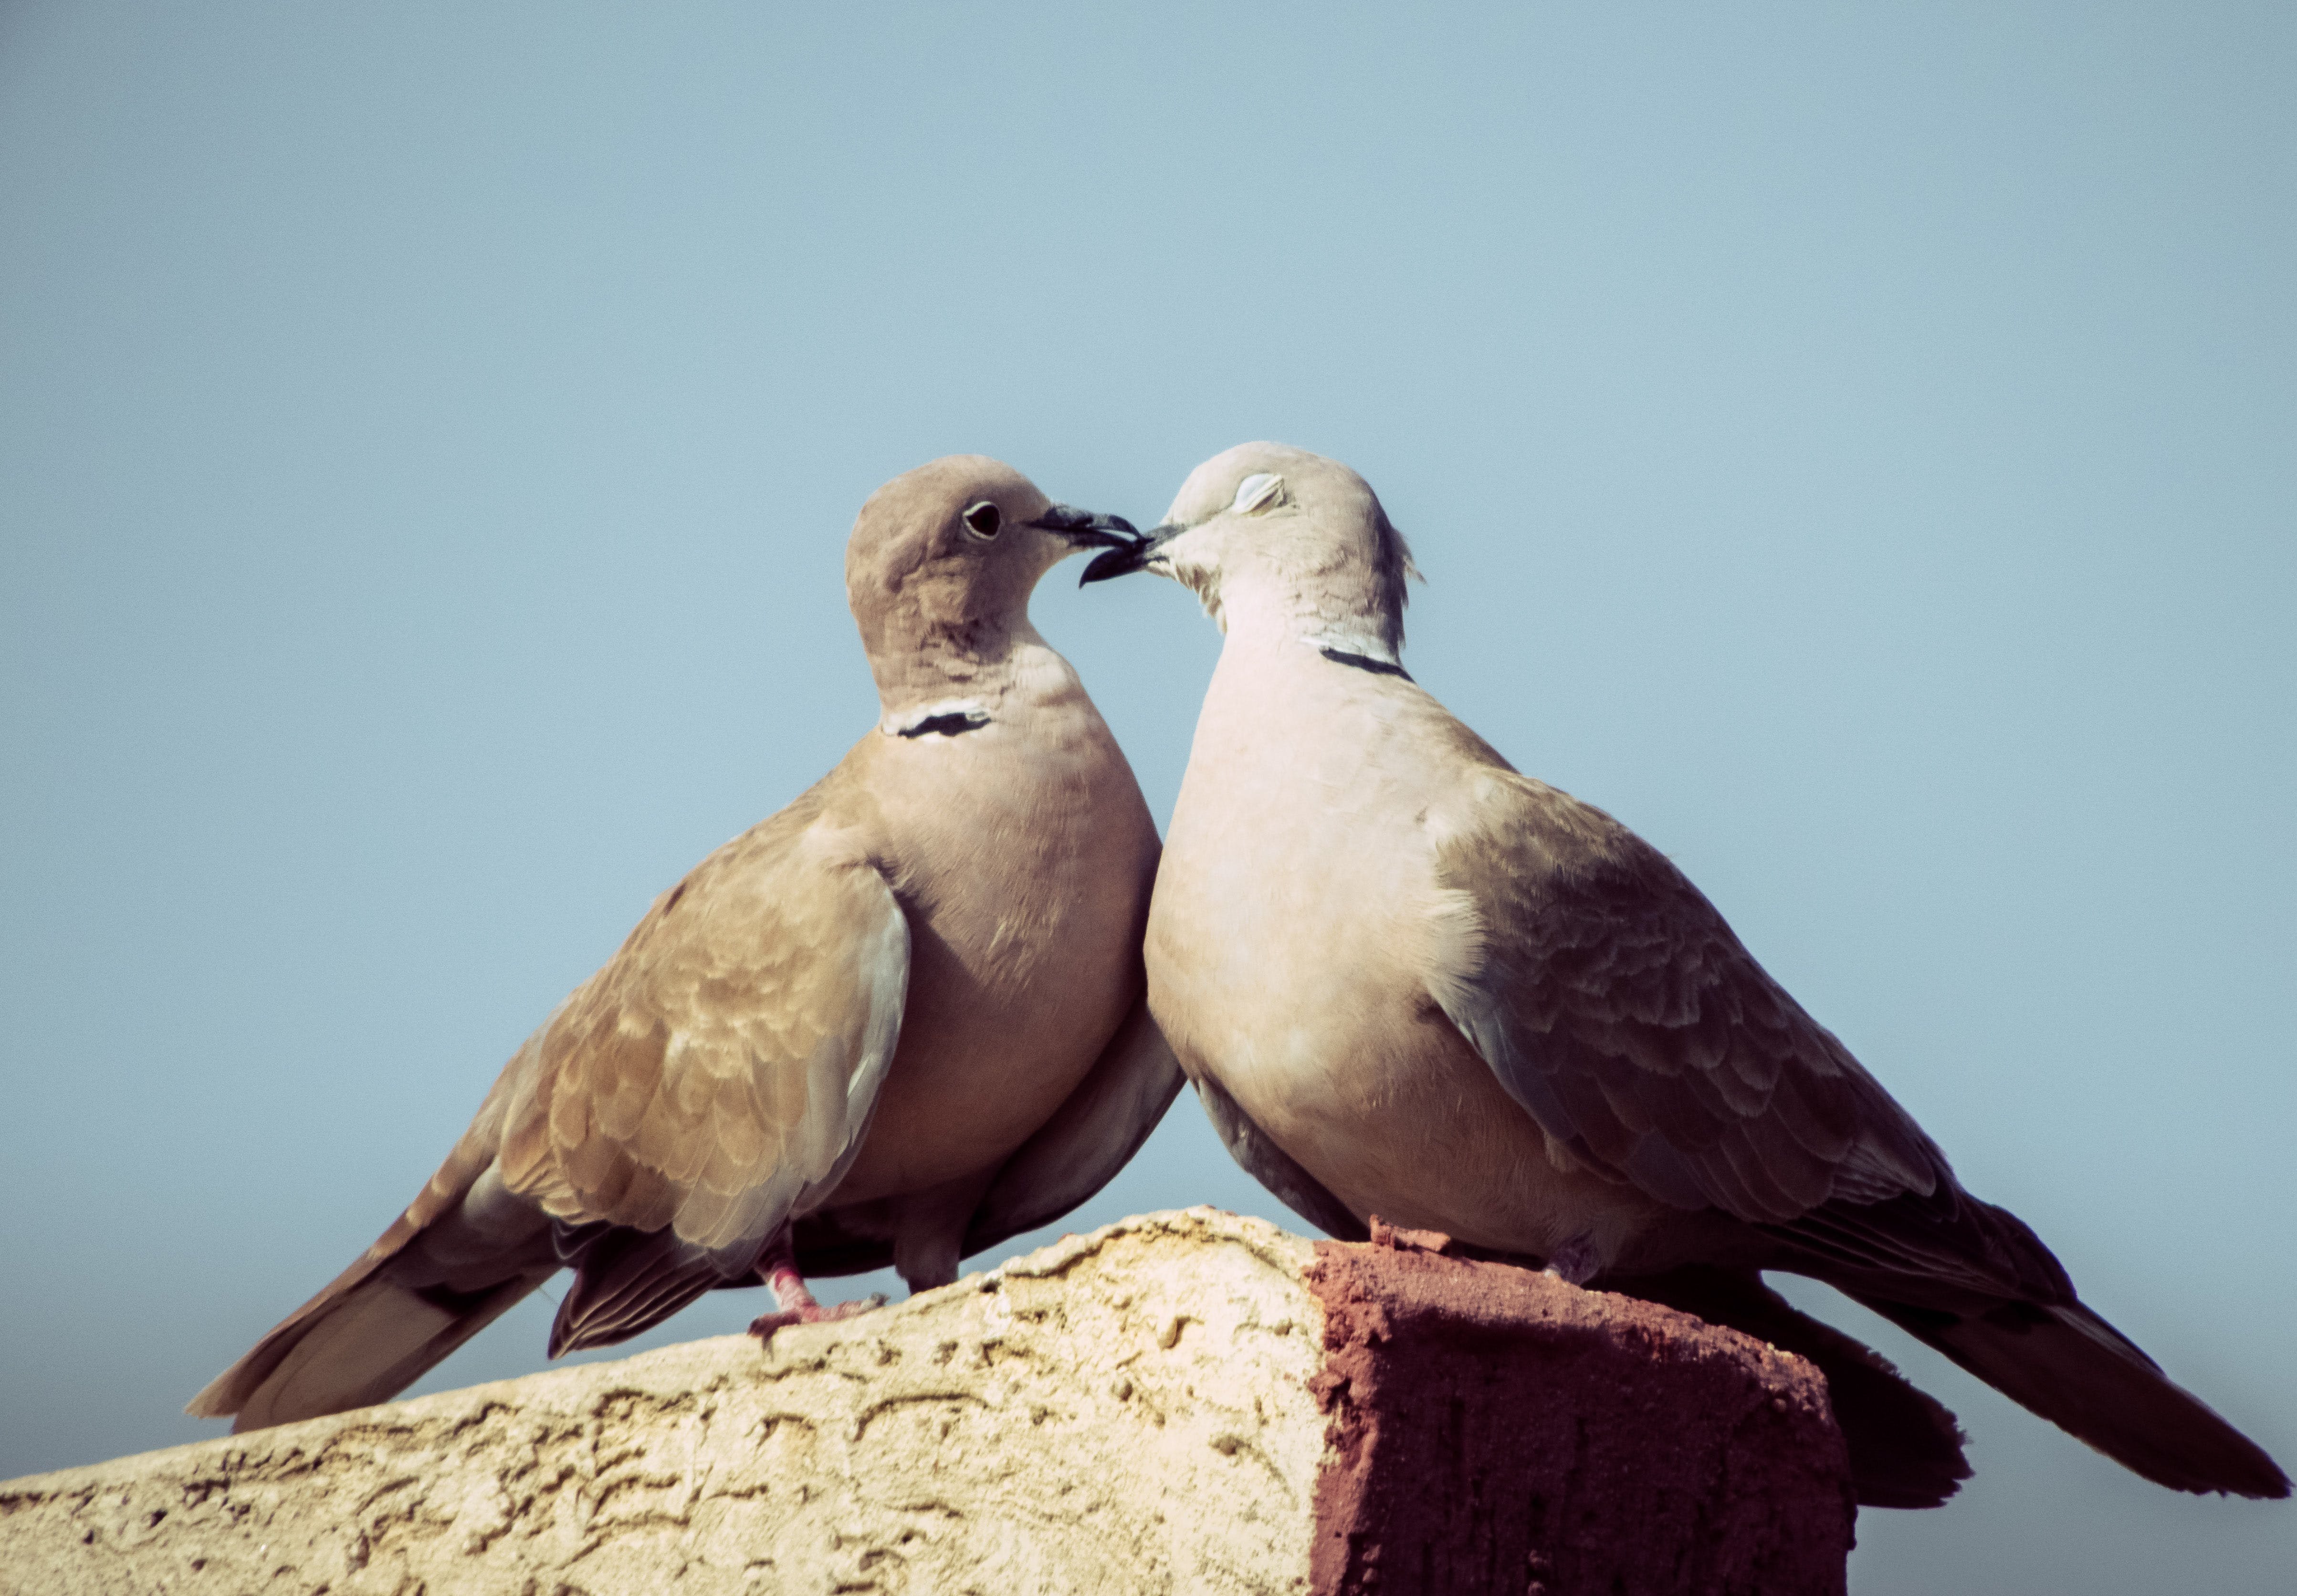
(709, 1355)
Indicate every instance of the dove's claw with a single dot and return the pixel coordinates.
(765, 1324)
(793, 1303)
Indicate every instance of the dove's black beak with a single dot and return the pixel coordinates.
(1127, 558)
(1085, 529)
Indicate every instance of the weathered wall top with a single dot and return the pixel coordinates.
(1187, 1402)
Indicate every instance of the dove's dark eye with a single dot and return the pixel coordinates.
(983, 520)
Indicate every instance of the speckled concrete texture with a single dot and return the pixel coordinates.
(1126, 1412)
(1184, 1403)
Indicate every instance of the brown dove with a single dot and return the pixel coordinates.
(899, 1021)
(1409, 982)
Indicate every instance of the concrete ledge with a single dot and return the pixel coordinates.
(1187, 1402)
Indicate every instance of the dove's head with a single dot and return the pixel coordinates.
(1279, 542)
(944, 558)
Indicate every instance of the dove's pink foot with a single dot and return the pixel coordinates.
(793, 1303)
(810, 1313)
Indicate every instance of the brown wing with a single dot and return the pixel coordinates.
(718, 1073)
(1615, 1005)
(721, 1067)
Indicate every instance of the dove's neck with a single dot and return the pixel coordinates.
(1338, 607)
(982, 667)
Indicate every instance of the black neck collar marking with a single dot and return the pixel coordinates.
(1364, 661)
(954, 723)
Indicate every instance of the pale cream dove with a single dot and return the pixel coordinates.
(1410, 982)
(899, 1021)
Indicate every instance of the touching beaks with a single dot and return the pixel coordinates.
(1087, 529)
(1124, 559)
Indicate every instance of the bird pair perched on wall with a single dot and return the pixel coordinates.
(944, 995)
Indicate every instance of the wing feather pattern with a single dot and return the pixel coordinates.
(1615, 1004)
(715, 1078)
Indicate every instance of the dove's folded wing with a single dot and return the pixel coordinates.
(1614, 1003)
(714, 1079)
(715, 1076)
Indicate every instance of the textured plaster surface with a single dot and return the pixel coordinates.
(1129, 1411)
(1185, 1402)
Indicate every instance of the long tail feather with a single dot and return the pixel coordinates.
(2065, 1363)
(430, 1283)
(379, 1338)
(628, 1282)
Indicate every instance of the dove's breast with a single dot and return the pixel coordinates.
(1022, 852)
(1296, 912)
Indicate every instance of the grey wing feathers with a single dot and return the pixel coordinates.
(1615, 1004)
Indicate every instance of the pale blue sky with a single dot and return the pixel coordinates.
(1858, 450)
